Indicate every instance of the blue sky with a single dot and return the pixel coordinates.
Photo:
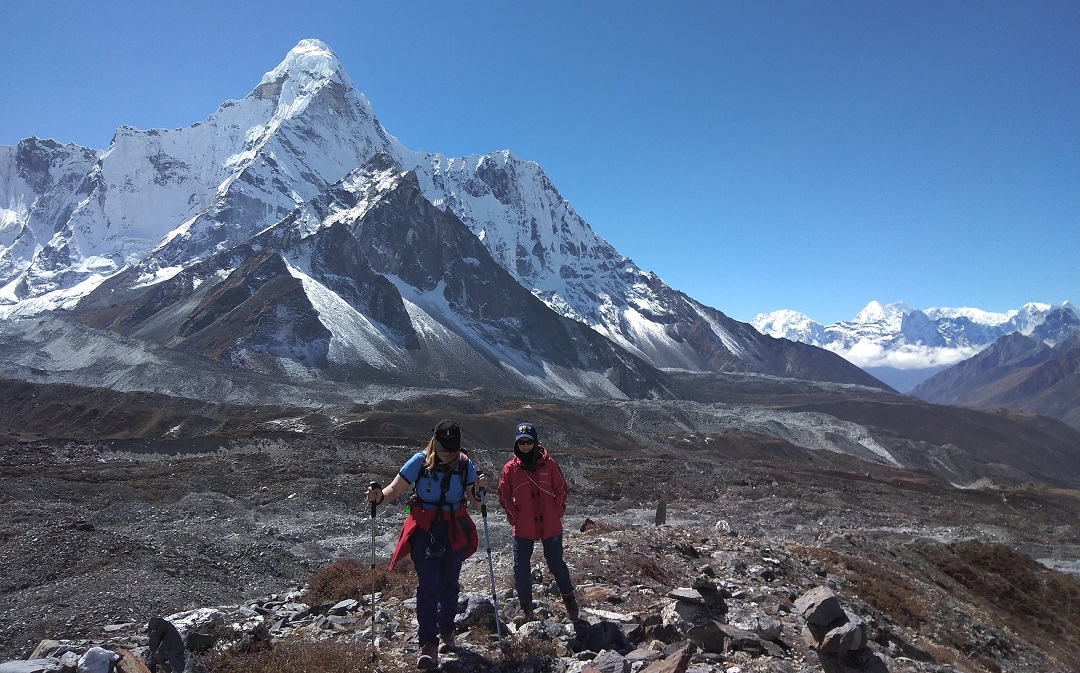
(755, 155)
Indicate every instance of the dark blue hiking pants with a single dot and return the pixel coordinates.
(553, 554)
(437, 588)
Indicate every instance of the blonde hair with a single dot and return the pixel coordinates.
(430, 459)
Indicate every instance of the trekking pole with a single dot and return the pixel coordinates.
(491, 566)
(374, 652)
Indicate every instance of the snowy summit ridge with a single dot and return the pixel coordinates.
(897, 336)
(303, 160)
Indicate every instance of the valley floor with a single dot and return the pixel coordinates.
(93, 537)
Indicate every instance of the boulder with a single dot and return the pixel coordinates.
(610, 662)
(847, 633)
(97, 660)
(676, 662)
(710, 637)
(819, 606)
(599, 637)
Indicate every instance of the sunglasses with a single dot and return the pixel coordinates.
(525, 442)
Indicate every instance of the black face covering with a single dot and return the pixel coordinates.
(528, 460)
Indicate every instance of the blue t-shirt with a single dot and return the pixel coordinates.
(429, 487)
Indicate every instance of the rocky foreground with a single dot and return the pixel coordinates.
(760, 565)
(656, 599)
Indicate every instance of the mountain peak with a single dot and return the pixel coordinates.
(876, 312)
(311, 56)
(308, 67)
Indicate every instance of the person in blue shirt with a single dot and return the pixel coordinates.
(438, 532)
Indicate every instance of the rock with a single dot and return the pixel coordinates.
(710, 637)
(113, 628)
(608, 615)
(683, 614)
(643, 654)
(129, 663)
(686, 549)
(541, 630)
(602, 636)
(30, 666)
(635, 632)
(474, 610)
(676, 662)
(686, 594)
(47, 648)
(749, 618)
(845, 634)
(344, 607)
(97, 660)
(610, 662)
(741, 640)
(819, 606)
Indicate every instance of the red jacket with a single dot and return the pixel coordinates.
(464, 535)
(535, 501)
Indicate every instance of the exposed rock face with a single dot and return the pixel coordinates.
(326, 301)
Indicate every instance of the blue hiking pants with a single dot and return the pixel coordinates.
(437, 587)
(553, 554)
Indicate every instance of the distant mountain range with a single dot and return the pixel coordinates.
(290, 235)
(903, 346)
(1026, 359)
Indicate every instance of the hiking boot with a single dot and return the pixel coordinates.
(572, 610)
(429, 656)
(447, 642)
(526, 612)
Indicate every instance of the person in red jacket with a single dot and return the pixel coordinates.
(532, 491)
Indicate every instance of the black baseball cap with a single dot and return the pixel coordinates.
(448, 436)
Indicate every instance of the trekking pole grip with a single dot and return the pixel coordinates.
(374, 484)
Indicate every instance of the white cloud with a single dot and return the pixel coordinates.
(865, 353)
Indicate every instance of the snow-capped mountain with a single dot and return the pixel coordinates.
(262, 225)
(898, 343)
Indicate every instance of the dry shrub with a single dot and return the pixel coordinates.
(590, 527)
(882, 587)
(295, 656)
(348, 578)
(627, 566)
(523, 655)
(1040, 604)
(1014, 595)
